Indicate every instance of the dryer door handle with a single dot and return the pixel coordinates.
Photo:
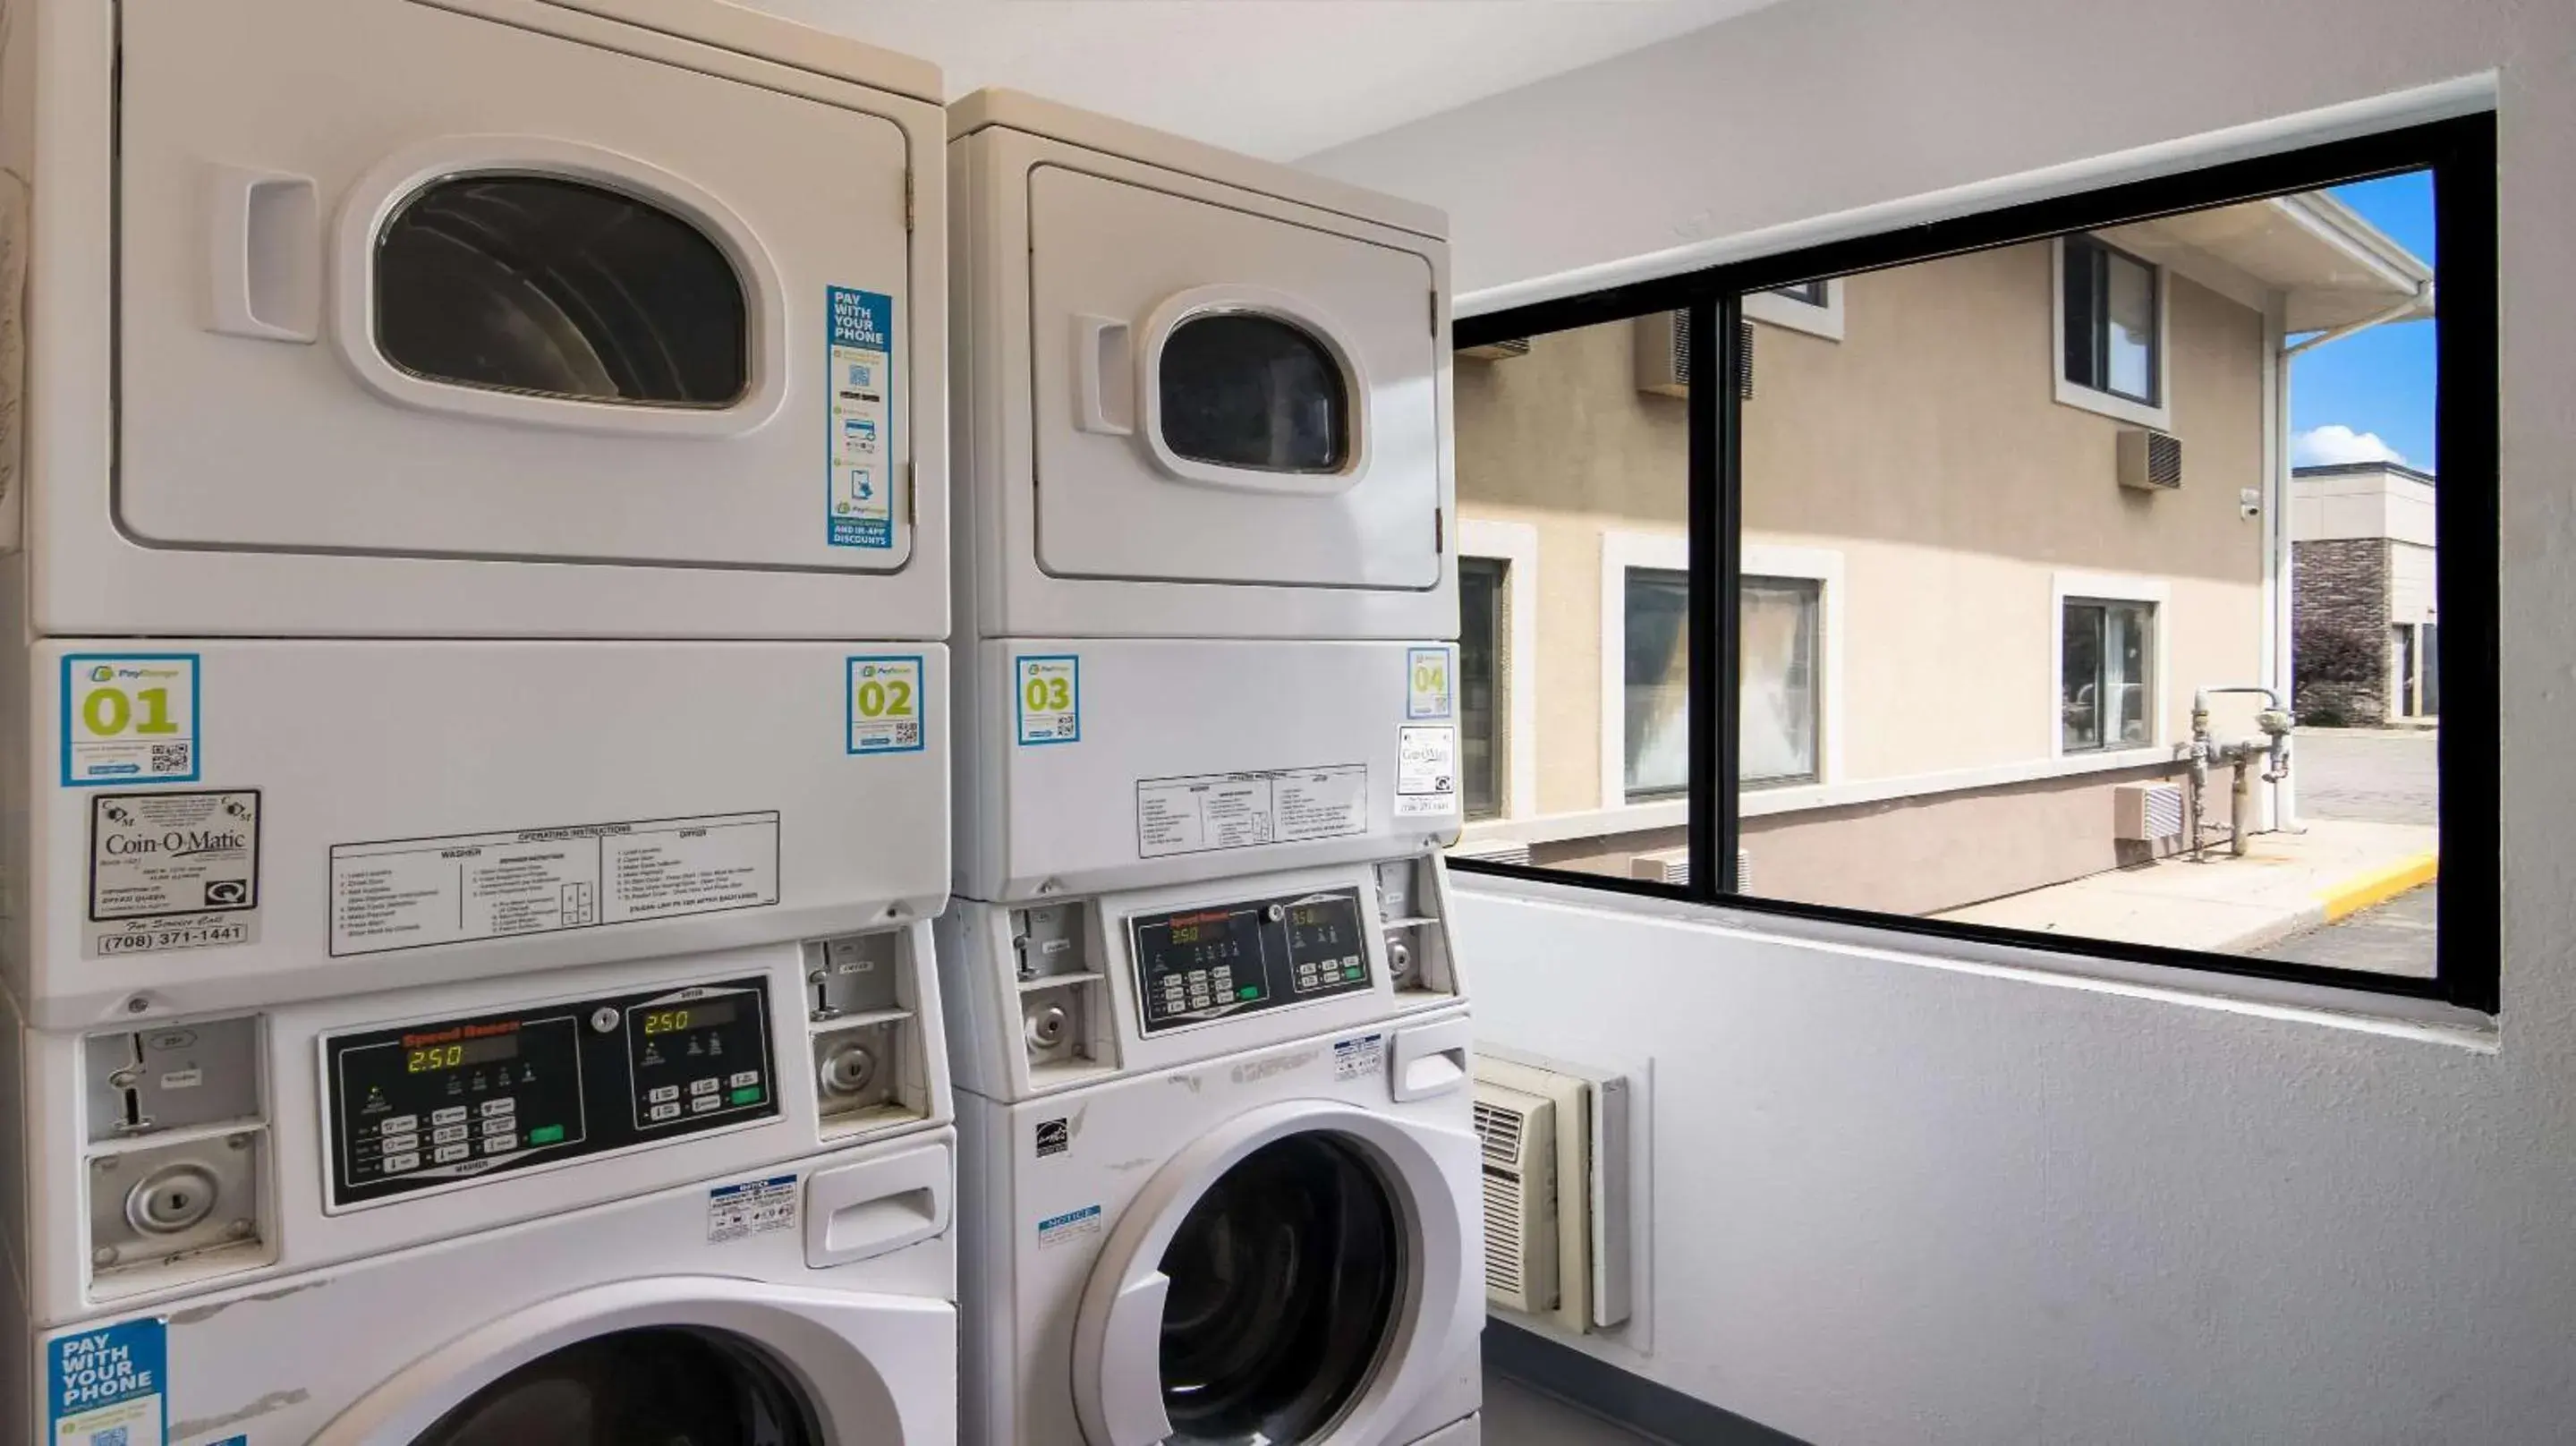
(1101, 347)
(1131, 1354)
(264, 255)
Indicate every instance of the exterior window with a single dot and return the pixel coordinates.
(2428, 677)
(1480, 729)
(1244, 390)
(2403, 685)
(2106, 696)
(1780, 624)
(1658, 683)
(2112, 339)
(557, 288)
(1810, 292)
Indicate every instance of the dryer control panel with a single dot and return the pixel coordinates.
(1202, 964)
(445, 1101)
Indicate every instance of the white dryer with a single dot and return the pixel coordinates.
(505, 434)
(1282, 1245)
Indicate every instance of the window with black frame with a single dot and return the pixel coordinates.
(2083, 594)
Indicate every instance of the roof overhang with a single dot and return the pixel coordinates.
(2329, 267)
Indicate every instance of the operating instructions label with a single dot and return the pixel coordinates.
(414, 893)
(1211, 811)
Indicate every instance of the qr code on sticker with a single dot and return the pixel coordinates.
(1065, 725)
(112, 1436)
(907, 734)
(169, 758)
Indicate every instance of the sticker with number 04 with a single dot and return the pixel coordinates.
(1427, 682)
(129, 718)
(887, 708)
(1050, 699)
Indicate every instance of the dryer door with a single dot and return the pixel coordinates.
(1296, 1276)
(1224, 396)
(396, 279)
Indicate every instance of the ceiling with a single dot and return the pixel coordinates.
(1275, 78)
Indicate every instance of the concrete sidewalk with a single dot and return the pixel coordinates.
(2288, 883)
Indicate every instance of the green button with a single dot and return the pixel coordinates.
(546, 1135)
(1249, 991)
(747, 1095)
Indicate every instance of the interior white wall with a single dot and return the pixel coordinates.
(1900, 1202)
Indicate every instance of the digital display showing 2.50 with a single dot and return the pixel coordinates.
(438, 1054)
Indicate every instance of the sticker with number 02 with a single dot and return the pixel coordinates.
(887, 708)
(129, 718)
(1050, 699)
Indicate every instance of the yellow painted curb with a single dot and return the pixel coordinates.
(2379, 885)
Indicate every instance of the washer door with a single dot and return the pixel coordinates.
(1290, 1277)
(681, 1361)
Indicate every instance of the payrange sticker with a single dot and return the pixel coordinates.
(1050, 699)
(887, 708)
(860, 491)
(108, 1387)
(1427, 682)
(172, 871)
(129, 718)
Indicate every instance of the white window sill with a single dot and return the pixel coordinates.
(2115, 407)
(1591, 823)
(2357, 1011)
(1825, 321)
(1798, 798)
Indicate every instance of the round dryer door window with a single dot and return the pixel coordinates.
(1286, 1279)
(658, 1387)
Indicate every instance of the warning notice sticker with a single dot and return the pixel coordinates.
(1426, 771)
(172, 871)
(1212, 811)
(415, 893)
(754, 1207)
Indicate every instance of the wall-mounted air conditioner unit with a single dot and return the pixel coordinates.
(1497, 350)
(1557, 1145)
(2146, 812)
(2150, 460)
(1663, 354)
(1518, 1131)
(1494, 851)
(1672, 866)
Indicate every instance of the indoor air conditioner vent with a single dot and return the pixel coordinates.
(1497, 350)
(1517, 1131)
(1663, 355)
(2150, 459)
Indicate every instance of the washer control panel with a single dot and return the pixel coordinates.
(418, 1106)
(1201, 964)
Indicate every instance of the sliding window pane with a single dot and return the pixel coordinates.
(2006, 572)
(1573, 455)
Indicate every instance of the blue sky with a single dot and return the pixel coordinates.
(2376, 387)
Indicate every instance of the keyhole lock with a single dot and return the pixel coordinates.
(172, 1200)
(1048, 1026)
(848, 1069)
(1399, 958)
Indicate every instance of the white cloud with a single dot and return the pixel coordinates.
(2334, 443)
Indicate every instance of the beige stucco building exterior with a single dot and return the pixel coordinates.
(1941, 505)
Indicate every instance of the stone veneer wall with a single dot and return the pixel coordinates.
(2342, 585)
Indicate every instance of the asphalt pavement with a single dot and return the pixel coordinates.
(2380, 776)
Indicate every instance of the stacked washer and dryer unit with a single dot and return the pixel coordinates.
(1218, 1177)
(468, 978)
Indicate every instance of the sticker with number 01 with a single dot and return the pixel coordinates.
(1050, 699)
(129, 718)
(887, 708)
(1426, 693)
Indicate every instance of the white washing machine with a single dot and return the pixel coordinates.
(666, 1318)
(481, 460)
(1206, 1019)
(714, 1185)
(1281, 1245)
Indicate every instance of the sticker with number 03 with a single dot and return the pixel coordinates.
(1050, 699)
(1426, 692)
(887, 708)
(129, 718)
